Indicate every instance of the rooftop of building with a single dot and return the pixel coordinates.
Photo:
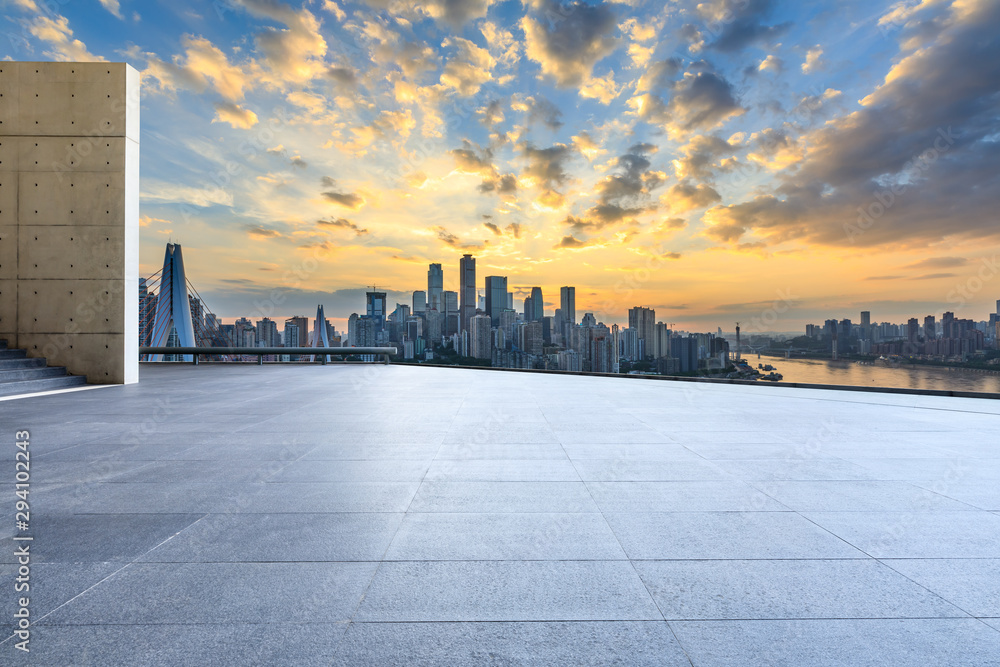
(350, 514)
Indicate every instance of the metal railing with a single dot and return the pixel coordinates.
(261, 352)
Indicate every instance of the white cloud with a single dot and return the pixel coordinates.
(57, 33)
(235, 115)
(813, 60)
(112, 6)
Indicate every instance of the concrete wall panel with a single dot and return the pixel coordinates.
(69, 186)
(8, 311)
(8, 252)
(61, 307)
(8, 153)
(67, 155)
(71, 198)
(8, 198)
(88, 350)
(62, 252)
(9, 105)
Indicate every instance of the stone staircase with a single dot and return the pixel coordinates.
(21, 375)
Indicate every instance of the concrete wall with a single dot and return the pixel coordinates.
(69, 215)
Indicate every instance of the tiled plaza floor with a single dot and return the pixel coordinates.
(392, 515)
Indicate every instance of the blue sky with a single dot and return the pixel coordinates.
(707, 159)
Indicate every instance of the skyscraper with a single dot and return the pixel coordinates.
(267, 332)
(419, 302)
(866, 324)
(660, 347)
(481, 337)
(435, 286)
(508, 322)
(947, 322)
(538, 304)
(912, 330)
(567, 303)
(302, 329)
(376, 309)
(930, 328)
(643, 320)
(449, 305)
(496, 297)
(291, 334)
(467, 289)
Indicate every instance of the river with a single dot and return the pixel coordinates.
(824, 371)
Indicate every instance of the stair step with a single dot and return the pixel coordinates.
(31, 373)
(44, 384)
(14, 364)
(13, 354)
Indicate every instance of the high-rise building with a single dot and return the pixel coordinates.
(376, 310)
(632, 349)
(291, 335)
(434, 329)
(529, 337)
(866, 324)
(267, 332)
(685, 350)
(302, 327)
(930, 328)
(419, 302)
(912, 330)
(947, 322)
(352, 330)
(467, 289)
(481, 337)
(452, 320)
(567, 303)
(435, 287)
(643, 320)
(660, 347)
(496, 297)
(246, 335)
(537, 304)
(601, 356)
(367, 332)
(508, 320)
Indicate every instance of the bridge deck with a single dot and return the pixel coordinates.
(398, 515)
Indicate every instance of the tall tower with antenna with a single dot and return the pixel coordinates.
(738, 356)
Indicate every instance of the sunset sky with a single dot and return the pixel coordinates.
(710, 159)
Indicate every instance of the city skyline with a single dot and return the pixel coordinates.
(703, 159)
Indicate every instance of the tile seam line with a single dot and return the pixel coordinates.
(406, 511)
(607, 523)
(92, 587)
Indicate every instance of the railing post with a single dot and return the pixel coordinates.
(260, 359)
(386, 357)
(323, 360)
(195, 358)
